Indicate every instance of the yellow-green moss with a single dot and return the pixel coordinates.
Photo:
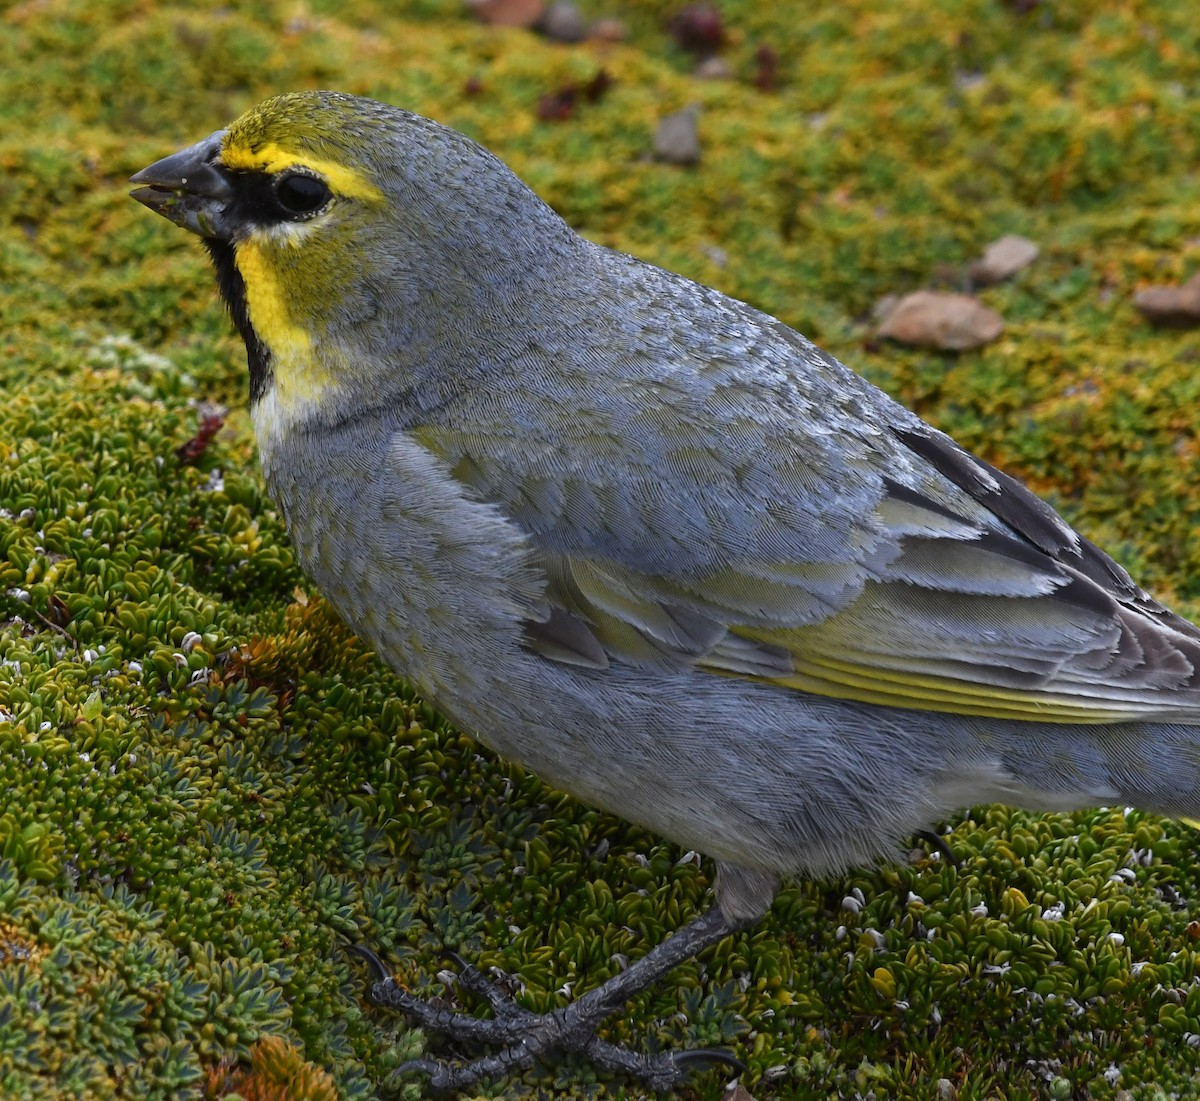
(208, 787)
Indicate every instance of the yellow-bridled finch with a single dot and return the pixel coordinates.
(653, 544)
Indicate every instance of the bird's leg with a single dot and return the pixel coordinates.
(938, 842)
(523, 1036)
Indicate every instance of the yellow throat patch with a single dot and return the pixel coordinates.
(279, 300)
(299, 376)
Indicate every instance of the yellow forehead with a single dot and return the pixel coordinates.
(274, 158)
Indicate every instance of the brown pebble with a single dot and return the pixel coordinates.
(1175, 307)
(508, 13)
(713, 68)
(949, 322)
(608, 30)
(1002, 259)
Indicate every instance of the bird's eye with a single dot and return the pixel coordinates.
(299, 193)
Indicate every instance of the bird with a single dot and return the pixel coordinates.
(651, 543)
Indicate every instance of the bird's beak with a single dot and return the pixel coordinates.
(189, 188)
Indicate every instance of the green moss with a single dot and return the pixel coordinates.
(210, 787)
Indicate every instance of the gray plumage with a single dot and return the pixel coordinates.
(650, 542)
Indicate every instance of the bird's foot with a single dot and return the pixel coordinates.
(522, 1037)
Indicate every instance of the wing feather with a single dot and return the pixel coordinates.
(768, 514)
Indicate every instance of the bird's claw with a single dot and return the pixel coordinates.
(468, 977)
(704, 1057)
(523, 1037)
(373, 961)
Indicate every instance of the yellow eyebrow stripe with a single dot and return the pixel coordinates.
(274, 158)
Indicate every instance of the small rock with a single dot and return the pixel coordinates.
(713, 68)
(563, 22)
(508, 13)
(950, 322)
(1002, 259)
(608, 30)
(1173, 307)
(883, 307)
(946, 1090)
(677, 139)
(737, 1092)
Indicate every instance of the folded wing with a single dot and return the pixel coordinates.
(800, 528)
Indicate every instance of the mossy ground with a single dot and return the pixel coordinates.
(207, 788)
